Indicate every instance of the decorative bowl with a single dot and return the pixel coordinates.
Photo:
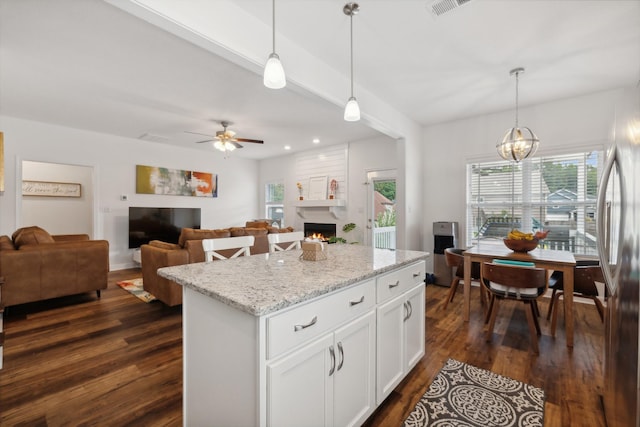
(521, 245)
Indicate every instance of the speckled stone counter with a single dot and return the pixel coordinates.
(262, 284)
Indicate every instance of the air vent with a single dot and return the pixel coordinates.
(440, 7)
(153, 138)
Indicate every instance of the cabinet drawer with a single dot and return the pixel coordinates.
(398, 281)
(415, 273)
(293, 327)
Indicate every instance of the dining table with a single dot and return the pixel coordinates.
(549, 259)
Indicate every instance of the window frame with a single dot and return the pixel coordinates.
(532, 206)
(270, 204)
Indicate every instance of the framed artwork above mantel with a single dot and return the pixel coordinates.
(317, 188)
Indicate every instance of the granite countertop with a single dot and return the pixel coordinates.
(264, 283)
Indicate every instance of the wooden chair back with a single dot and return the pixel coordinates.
(241, 243)
(584, 280)
(453, 257)
(277, 241)
(514, 276)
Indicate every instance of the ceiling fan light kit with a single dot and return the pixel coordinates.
(518, 143)
(224, 146)
(274, 77)
(225, 140)
(352, 109)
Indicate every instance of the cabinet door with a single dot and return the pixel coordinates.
(414, 327)
(299, 385)
(354, 379)
(390, 346)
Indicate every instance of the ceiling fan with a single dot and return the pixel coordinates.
(225, 140)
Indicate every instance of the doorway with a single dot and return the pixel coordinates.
(58, 215)
(381, 210)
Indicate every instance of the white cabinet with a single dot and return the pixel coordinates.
(299, 385)
(400, 327)
(327, 382)
(328, 361)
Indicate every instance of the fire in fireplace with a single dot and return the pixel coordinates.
(319, 230)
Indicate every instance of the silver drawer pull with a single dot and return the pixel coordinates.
(332, 353)
(393, 285)
(360, 301)
(341, 356)
(301, 327)
(416, 275)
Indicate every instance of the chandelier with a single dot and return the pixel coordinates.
(518, 143)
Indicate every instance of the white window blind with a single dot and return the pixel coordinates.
(274, 202)
(555, 193)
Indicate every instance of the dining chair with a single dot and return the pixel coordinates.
(212, 247)
(276, 241)
(514, 281)
(454, 258)
(584, 286)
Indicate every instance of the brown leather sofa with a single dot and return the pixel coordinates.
(158, 254)
(37, 266)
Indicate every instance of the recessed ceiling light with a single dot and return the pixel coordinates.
(287, 147)
(316, 141)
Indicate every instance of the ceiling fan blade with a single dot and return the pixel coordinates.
(206, 140)
(257, 141)
(235, 144)
(198, 133)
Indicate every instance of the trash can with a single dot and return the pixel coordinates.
(445, 235)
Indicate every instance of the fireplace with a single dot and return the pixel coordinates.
(319, 230)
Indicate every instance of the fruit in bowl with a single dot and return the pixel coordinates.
(541, 234)
(519, 241)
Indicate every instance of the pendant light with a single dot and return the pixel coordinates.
(274, 77)
(518, 143)
(352, 109)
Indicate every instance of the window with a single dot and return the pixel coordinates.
(274, 202)
(556, 193)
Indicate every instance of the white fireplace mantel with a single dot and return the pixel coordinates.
(334, 206)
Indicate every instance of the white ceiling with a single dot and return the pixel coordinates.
(92, 65)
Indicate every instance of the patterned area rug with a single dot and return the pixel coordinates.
(463, 395)
(134, 287)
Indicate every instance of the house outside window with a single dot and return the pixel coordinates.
(555, 193)
(274, 202)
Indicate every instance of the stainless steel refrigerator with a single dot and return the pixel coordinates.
(619, 242)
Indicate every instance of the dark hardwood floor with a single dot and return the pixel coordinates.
(118, 361)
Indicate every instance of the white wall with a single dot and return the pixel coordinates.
(363, 156)
(59, 215)
(566, 125)
(113, 160)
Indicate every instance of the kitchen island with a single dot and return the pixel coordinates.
(272, 340)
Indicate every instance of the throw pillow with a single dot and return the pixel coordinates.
(31, 235)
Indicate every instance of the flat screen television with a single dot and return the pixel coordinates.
(146, 224)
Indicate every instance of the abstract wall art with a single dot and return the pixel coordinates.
(175, 182)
